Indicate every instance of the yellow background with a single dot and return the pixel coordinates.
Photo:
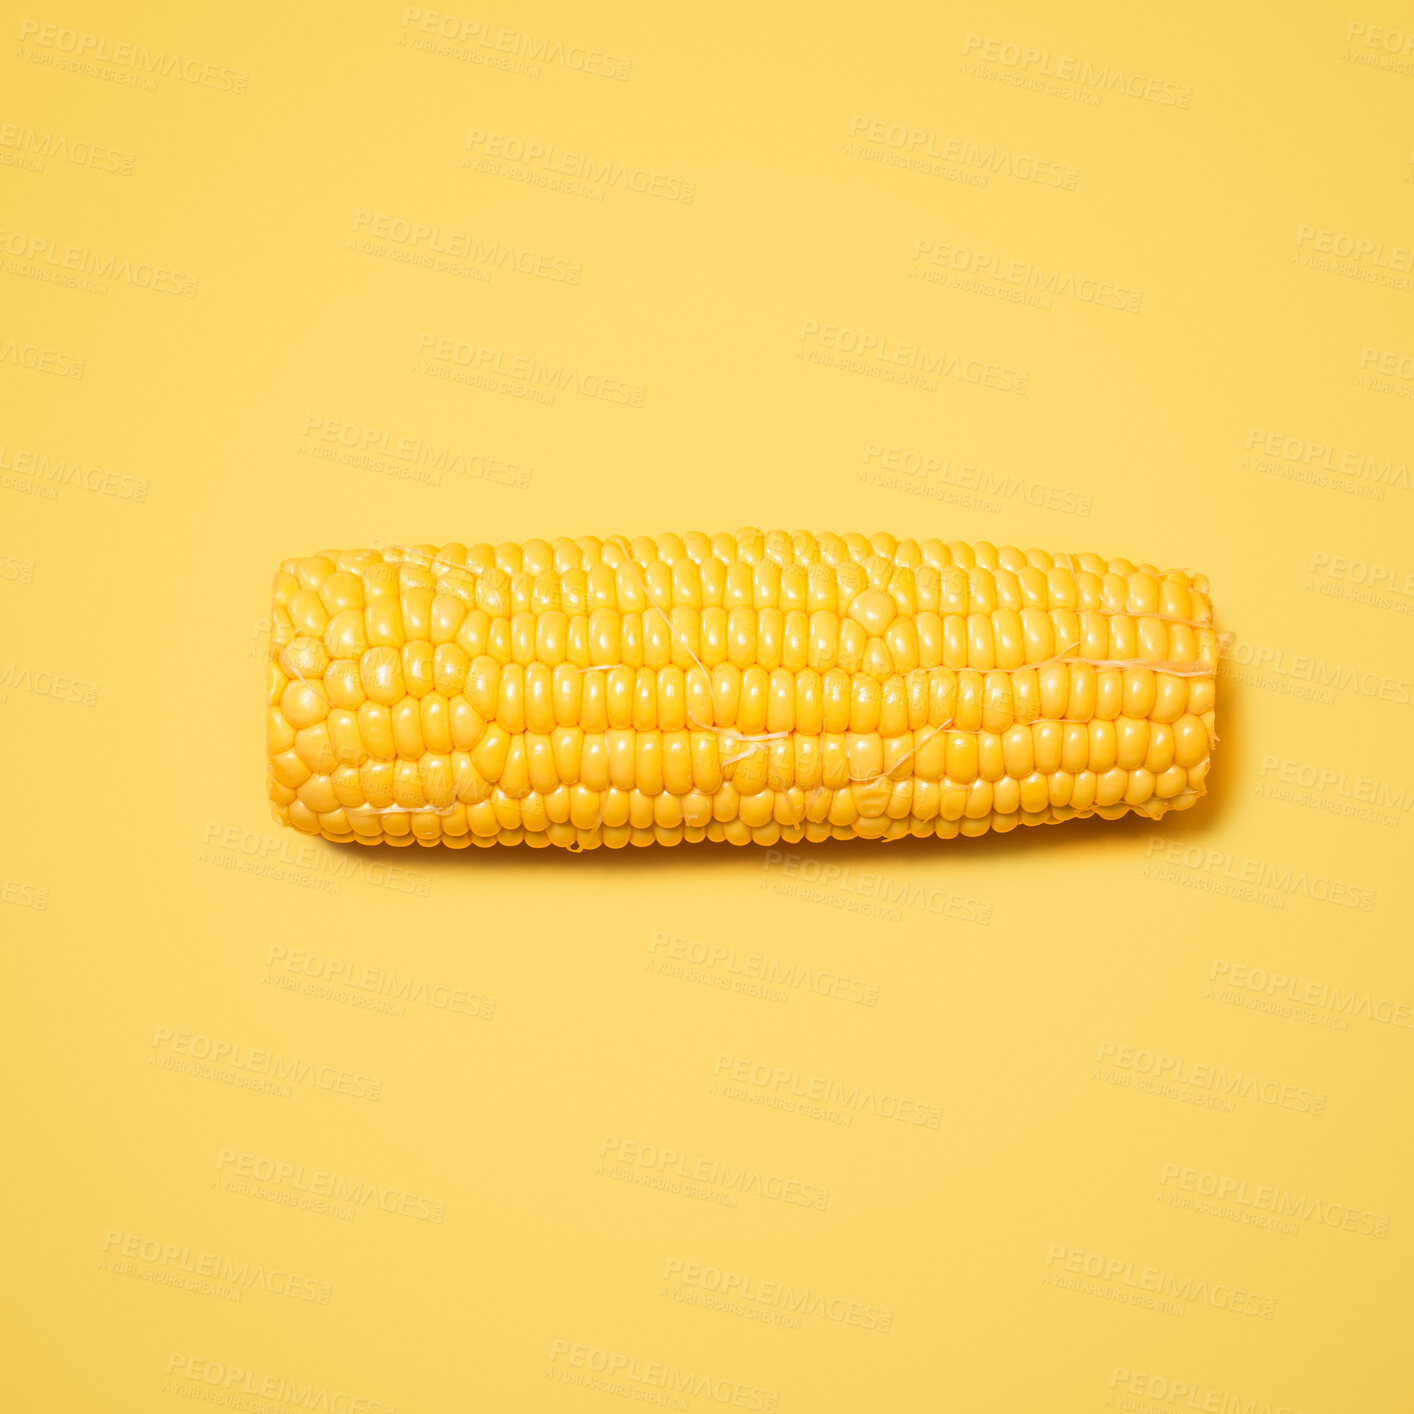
(151, 910)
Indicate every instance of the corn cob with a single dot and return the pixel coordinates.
(758, 687)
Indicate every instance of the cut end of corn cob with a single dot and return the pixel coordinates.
(759, 687)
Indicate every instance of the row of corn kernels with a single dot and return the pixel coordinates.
(538, 698)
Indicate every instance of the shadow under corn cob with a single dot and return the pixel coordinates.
(763, 686)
